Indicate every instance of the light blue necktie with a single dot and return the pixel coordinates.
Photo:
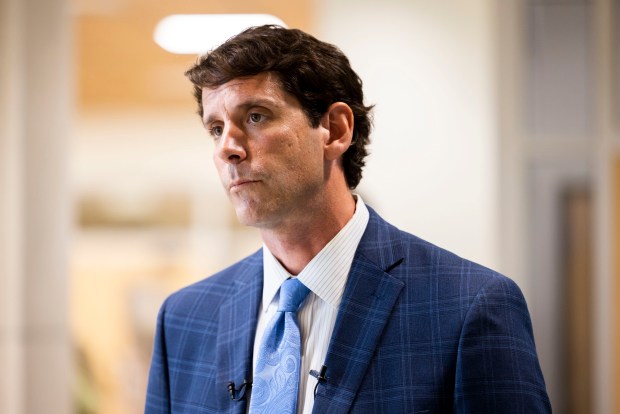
(276, 377)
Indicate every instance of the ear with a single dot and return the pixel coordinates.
(339, 121)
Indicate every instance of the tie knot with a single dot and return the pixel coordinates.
(292, 293)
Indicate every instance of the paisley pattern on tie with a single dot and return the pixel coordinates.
(276, 378)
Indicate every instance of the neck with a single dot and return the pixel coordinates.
(296, 244)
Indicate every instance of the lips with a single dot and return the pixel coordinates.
(237, 184)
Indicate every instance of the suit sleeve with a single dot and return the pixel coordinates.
(158, 390)
(497, 366)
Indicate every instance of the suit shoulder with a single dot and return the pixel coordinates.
(437, 262)
(385, 244)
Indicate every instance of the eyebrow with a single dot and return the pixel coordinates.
(247, 104)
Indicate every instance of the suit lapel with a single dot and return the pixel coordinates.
(367, 303)
(237, 327)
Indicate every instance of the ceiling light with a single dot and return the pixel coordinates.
(199, 33)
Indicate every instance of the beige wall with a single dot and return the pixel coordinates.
(35, 111)
(10, 283)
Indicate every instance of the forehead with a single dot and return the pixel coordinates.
(264, 86)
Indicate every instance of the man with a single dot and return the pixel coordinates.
(386, 322)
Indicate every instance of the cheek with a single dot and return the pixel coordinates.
(216, 163)
(307, 162)
(304, 143)
(220, 167)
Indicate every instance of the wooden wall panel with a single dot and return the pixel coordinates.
(577, 208)
(119, 65)
(616, 279)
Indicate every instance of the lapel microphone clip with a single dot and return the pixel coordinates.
(320, 377)
(238, 394)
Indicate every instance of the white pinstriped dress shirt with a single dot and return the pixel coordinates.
(325, 276)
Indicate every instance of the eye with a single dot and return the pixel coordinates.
(256, 117)
(216, 131)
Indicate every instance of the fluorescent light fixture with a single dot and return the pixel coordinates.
(199, 33)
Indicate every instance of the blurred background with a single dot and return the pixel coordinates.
(497, 136)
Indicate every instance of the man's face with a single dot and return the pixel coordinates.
(269, 158)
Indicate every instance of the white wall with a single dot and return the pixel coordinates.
(428, 66)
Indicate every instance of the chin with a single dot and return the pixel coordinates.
(254, 218)
(247, 217)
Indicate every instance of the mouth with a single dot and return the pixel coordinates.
(238, 184)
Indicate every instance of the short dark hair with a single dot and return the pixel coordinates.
(316, 73)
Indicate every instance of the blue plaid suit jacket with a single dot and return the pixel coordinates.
(419, 330)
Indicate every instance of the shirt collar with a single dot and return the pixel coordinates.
(327, 273)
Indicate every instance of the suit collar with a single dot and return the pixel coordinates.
(369, 297)
(381, 243)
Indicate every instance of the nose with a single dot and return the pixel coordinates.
(231, 146)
